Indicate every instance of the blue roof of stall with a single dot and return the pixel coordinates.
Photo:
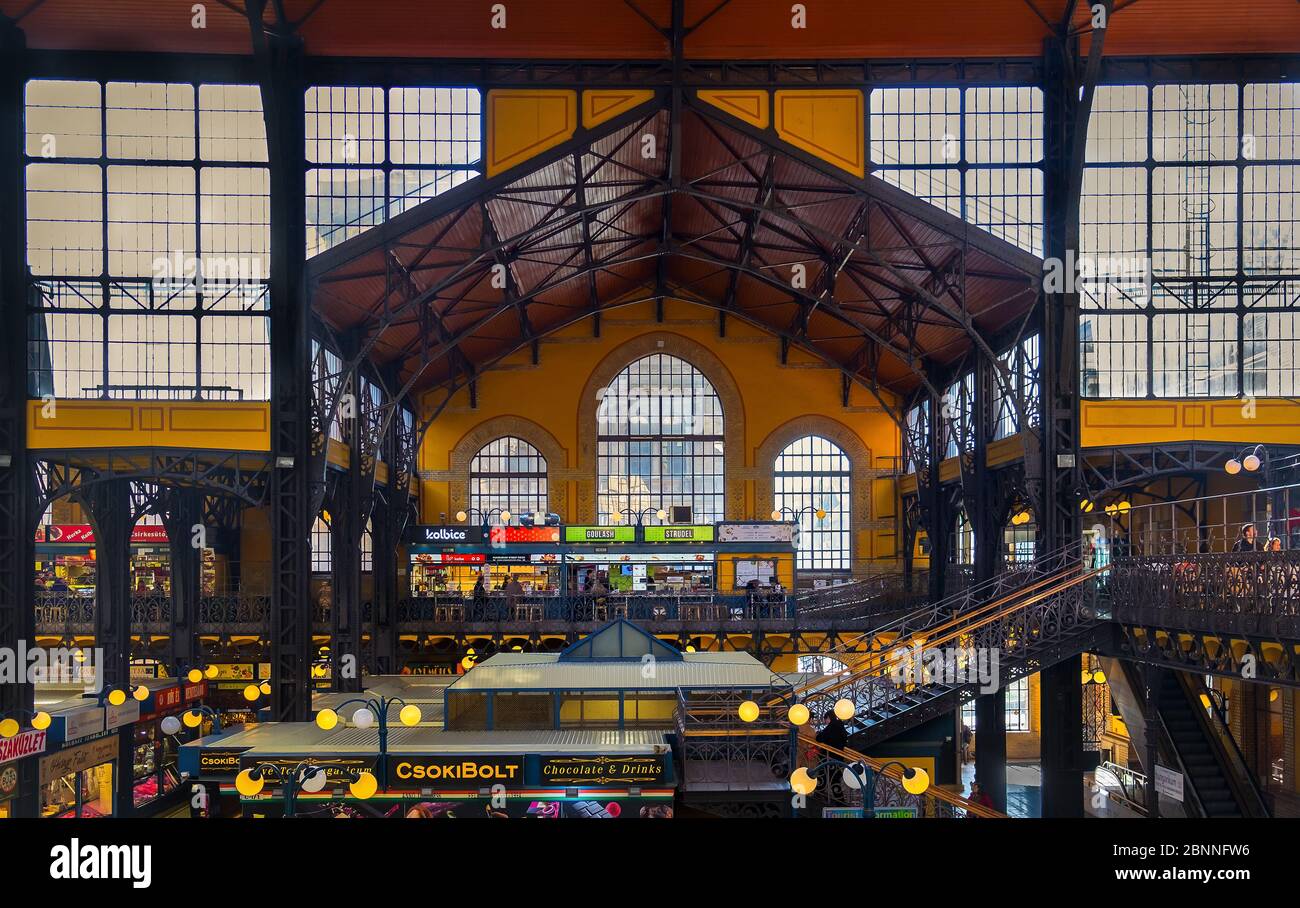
(620, 639)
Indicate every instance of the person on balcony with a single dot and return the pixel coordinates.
(1274, 544)
(1248, 540)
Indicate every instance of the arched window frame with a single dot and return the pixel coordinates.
(800, 468)
(660, 411)
(523, 470)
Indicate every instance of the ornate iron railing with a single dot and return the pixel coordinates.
(1245, 592)
(883, 781)
(932, 670)
(592, 608)
(879, 594)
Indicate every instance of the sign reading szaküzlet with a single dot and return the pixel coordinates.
(698, 533)
(1169, 783)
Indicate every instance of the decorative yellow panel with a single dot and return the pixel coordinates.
(748, 104)
(522, 124)
(1106, 423)
(196, 425)
(825, 123)
(606, 104)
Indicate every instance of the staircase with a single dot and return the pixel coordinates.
(1048, 615)
(1202, 769)
(1193, 739)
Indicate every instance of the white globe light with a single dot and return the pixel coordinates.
(171, 725)
(363, 718)
(1251, 463)
(853, 774)
(313, 780)
(1232, 467)
(844, 709)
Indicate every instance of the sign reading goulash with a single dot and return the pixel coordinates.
(469, 770)
(629, 770)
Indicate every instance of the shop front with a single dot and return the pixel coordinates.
(65, 561)
(79, 781)
(155, 774)
(227, 682)
(27, 745)
(435, 774)
(601, 572)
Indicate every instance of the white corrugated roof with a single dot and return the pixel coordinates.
(545, 671)
(289, 738)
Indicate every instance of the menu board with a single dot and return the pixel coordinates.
(756, 532)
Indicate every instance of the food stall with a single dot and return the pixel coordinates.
(155, 775)
(65, 561)
(681, 563)
(449, 560)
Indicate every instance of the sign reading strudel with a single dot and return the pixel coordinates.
(624, 770)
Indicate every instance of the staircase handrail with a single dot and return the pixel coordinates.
(891, 770)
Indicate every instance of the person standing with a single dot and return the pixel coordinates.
(1248, 540)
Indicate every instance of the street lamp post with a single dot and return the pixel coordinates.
(639, 516)
(373, 711)
(485, 517)
(305, 776)
(795, 515)
(10, 727)
(861, 778)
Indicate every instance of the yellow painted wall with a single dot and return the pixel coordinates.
(726, 568)
(195, 425)
(549, 394)
(1128, 422)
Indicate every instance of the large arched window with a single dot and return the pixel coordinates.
(812, 474)
(510, 474)
(660, 443)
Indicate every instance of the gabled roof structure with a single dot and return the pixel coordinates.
(718, 212)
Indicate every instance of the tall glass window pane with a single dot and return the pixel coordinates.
(660, 442)
(322, 547)
(812, 474)
(148, 240)
(508, 474)
(374, 152)
(1198, 186)
(1017, 710)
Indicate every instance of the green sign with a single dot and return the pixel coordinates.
(895, 813)
(702, 533)
(600, 534)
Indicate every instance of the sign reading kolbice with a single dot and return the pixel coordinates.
(602, 770)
